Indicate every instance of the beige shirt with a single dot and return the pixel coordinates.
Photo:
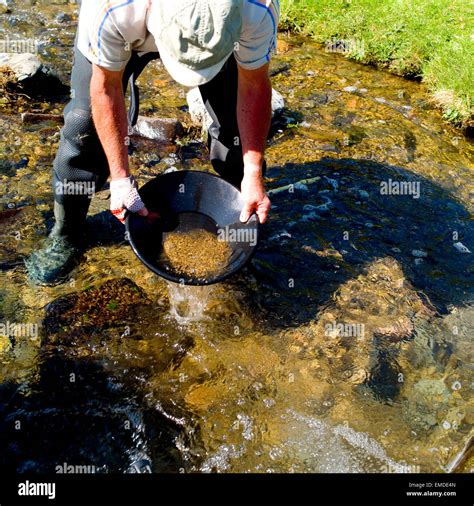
(109, 30)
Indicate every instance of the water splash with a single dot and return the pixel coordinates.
(188, 303)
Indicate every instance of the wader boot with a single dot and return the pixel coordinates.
(61, 252)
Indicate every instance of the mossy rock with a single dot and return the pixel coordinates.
(113, 303)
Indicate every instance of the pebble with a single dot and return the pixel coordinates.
(363, 90)
(332, 182)
(330, 147)
(301, 186)
(311, 217)
(310, 73)
(324, 208)
(279, 68)
(456, 385)
(350, 89)
(103, 194)
(461, 247)
(282, 234)
(418, 253)
(269, 402)
(63, 17)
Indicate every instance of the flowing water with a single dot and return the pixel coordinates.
(188, 303)
(345, 346)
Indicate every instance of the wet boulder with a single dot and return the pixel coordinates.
(24, 73)
(197, 109)
(201, 117)
(164, 130)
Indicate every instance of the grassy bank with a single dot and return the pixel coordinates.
(431, 39)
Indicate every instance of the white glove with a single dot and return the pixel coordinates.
(124, 195)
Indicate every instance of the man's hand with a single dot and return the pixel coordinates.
(124, 195)
(255, 198)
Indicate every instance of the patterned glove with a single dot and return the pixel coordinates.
(124, 195)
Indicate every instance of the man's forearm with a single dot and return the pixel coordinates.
(110, 120)
(253, 117)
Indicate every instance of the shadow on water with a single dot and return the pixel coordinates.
(327, 232)
(78, 415)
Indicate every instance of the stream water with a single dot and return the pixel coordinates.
(345, 346)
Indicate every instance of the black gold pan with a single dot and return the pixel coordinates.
(187, 200)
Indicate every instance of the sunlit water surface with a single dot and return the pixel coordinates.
(346, 345)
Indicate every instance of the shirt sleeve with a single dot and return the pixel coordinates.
(258, 38)
(104, 43)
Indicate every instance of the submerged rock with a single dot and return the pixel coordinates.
(110, 304)
(387, 301)
(430, 388)
(418, 253)
(116, 323)
(461, 247)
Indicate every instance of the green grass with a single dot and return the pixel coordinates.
(429, 39)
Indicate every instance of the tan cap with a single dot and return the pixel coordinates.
(195, 37)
